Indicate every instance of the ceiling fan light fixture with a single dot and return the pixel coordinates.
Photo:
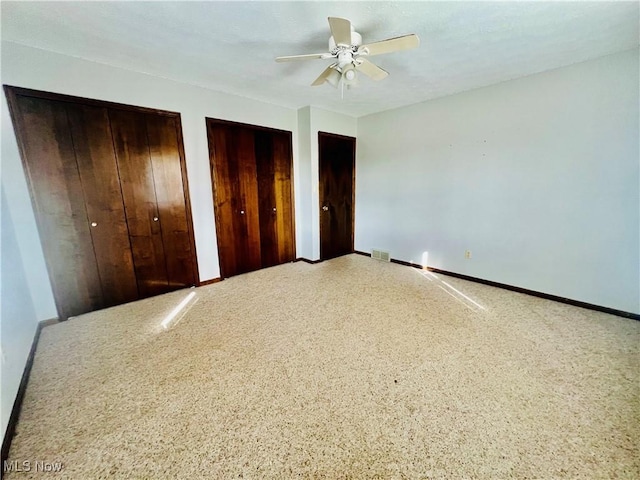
(349, 75)
(334, 78)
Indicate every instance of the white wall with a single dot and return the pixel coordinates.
(538, 177)
(33, 68)
(304, 221)
(18, 319)
(24, 224)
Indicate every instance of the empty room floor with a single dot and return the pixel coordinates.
(351, 368)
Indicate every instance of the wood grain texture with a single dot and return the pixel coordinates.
(42, 128)
(267, 198)
(95, 156)
(225, 197)
(138, 192)
(28, 92)
(236, 199)
(252, 183)
(337, 177)
(170, 195)
(283, 196)
(90, 166)
(249, 224)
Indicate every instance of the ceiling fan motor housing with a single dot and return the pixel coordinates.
(345, 55)
(356, 41)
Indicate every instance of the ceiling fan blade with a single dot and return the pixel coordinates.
(371, 70)
(341, 30)
(391, 45)
(323, 76)
(311, 56)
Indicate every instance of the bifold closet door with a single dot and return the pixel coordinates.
(251, 175)
(58, 197)
(138, 191)
(168, 174)
(151, 179)
(96, 160)
(232, 152)
(273, 162)
(108, 185)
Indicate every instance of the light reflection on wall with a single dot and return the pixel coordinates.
(425, 259)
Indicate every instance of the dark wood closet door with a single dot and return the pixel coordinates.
(164, 148)
(265, 170)
(251, 256)
(109, 188)
(283, 188)
(225, 197)
(98, 171)
(337, 174)
(273, 161)
(251, 175)
(139, 195)
(233, 168)
(42, 128)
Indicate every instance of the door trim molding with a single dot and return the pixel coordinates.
(61, 97)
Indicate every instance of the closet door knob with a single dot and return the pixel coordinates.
(325, 208)
(241, 212)
(94, 224)
(155, 219)
(274, 209)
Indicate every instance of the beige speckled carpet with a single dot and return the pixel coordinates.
(350, 368)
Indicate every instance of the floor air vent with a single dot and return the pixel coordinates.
(380, 255)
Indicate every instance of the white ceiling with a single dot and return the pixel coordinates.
(231, 46)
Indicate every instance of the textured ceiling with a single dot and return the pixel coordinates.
(231, 46)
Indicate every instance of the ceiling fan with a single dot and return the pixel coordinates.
(345, 46)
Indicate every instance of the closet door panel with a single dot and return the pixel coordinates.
(98, 170)
(235, 187)
(282, 184)
(267, 198)
(224, 175)
(273, 159)
(249, 224)
(138, 192)
(251, 173)
(56, 189)
(171, 200)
